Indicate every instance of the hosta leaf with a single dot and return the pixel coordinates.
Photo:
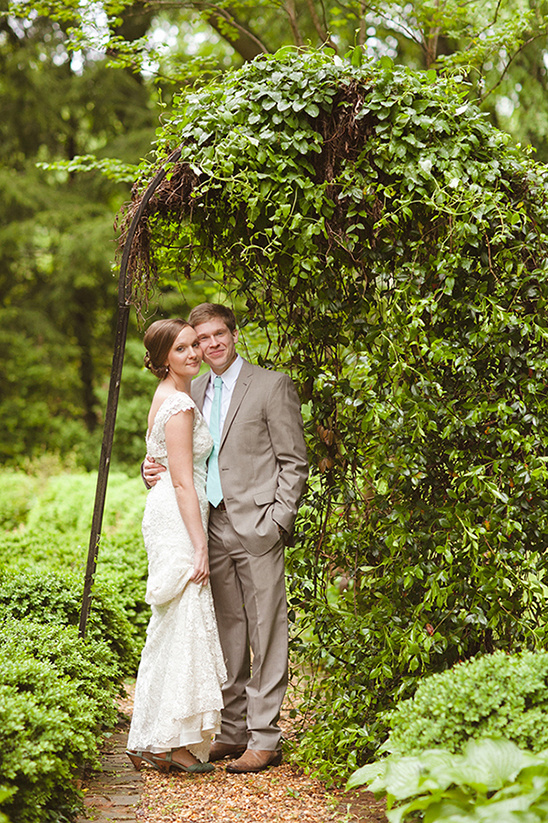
(402, 777)
(489, 764)
(365, 775)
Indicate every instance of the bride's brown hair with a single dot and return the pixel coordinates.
(158, 340)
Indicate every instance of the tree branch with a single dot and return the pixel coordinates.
(508, 64)
(292, 15)
(320, 30)
(245, 42)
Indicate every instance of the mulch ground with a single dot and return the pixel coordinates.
(278, 795)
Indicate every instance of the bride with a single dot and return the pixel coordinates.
(178, 700)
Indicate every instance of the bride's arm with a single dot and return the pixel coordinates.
(178, 434)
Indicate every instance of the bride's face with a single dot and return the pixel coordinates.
(185, 356)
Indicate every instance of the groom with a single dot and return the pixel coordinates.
(256, 475)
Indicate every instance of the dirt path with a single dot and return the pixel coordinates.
(278, 795)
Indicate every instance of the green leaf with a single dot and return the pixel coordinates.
(488, 764)
(365, 774)
(356, 56)
(402, 777)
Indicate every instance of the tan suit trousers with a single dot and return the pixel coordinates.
(251, 608)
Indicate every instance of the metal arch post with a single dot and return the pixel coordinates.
(124, 307)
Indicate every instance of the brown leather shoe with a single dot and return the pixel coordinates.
(254, 760)
(219, 750)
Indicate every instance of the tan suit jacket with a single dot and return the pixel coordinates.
(262, 456)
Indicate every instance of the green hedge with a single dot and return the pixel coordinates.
(57, 693)
(46, 525)
(66, 503)
(121, 568)
(496, 695)
(56, 598)
(17, 494)
(56, 699)
(46, 548)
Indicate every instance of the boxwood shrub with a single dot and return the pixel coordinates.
(44, 548)
(55, 598)
(57, 692)
(56, 700)
(45, 526)
(496, 695)
(122, 566)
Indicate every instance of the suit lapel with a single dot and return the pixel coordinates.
(242, 385)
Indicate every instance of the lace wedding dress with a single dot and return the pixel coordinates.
(178, 698)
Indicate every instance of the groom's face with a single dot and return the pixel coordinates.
(218, 344)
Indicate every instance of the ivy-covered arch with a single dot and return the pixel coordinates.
(398, 244)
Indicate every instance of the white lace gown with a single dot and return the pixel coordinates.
(178, 697)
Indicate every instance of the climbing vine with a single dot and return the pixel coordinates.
(397, 244)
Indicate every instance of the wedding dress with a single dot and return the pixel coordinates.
(178, 698)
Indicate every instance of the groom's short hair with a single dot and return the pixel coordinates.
(209, 311)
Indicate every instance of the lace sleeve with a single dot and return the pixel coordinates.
(156, 440)
(174, 403)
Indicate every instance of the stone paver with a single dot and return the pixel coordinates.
(113, 794)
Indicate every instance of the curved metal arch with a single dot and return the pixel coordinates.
(124, 307)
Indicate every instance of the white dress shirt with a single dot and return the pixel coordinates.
(229, 378)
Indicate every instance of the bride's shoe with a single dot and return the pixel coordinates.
(164, 764)
(139, 757)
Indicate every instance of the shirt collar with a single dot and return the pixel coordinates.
(229, 376)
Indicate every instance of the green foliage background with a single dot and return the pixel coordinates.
(397, 242)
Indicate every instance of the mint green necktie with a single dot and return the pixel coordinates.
(213, 487)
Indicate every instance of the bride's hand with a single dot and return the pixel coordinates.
(201, 567)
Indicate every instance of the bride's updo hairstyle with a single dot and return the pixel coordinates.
(159, 338)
